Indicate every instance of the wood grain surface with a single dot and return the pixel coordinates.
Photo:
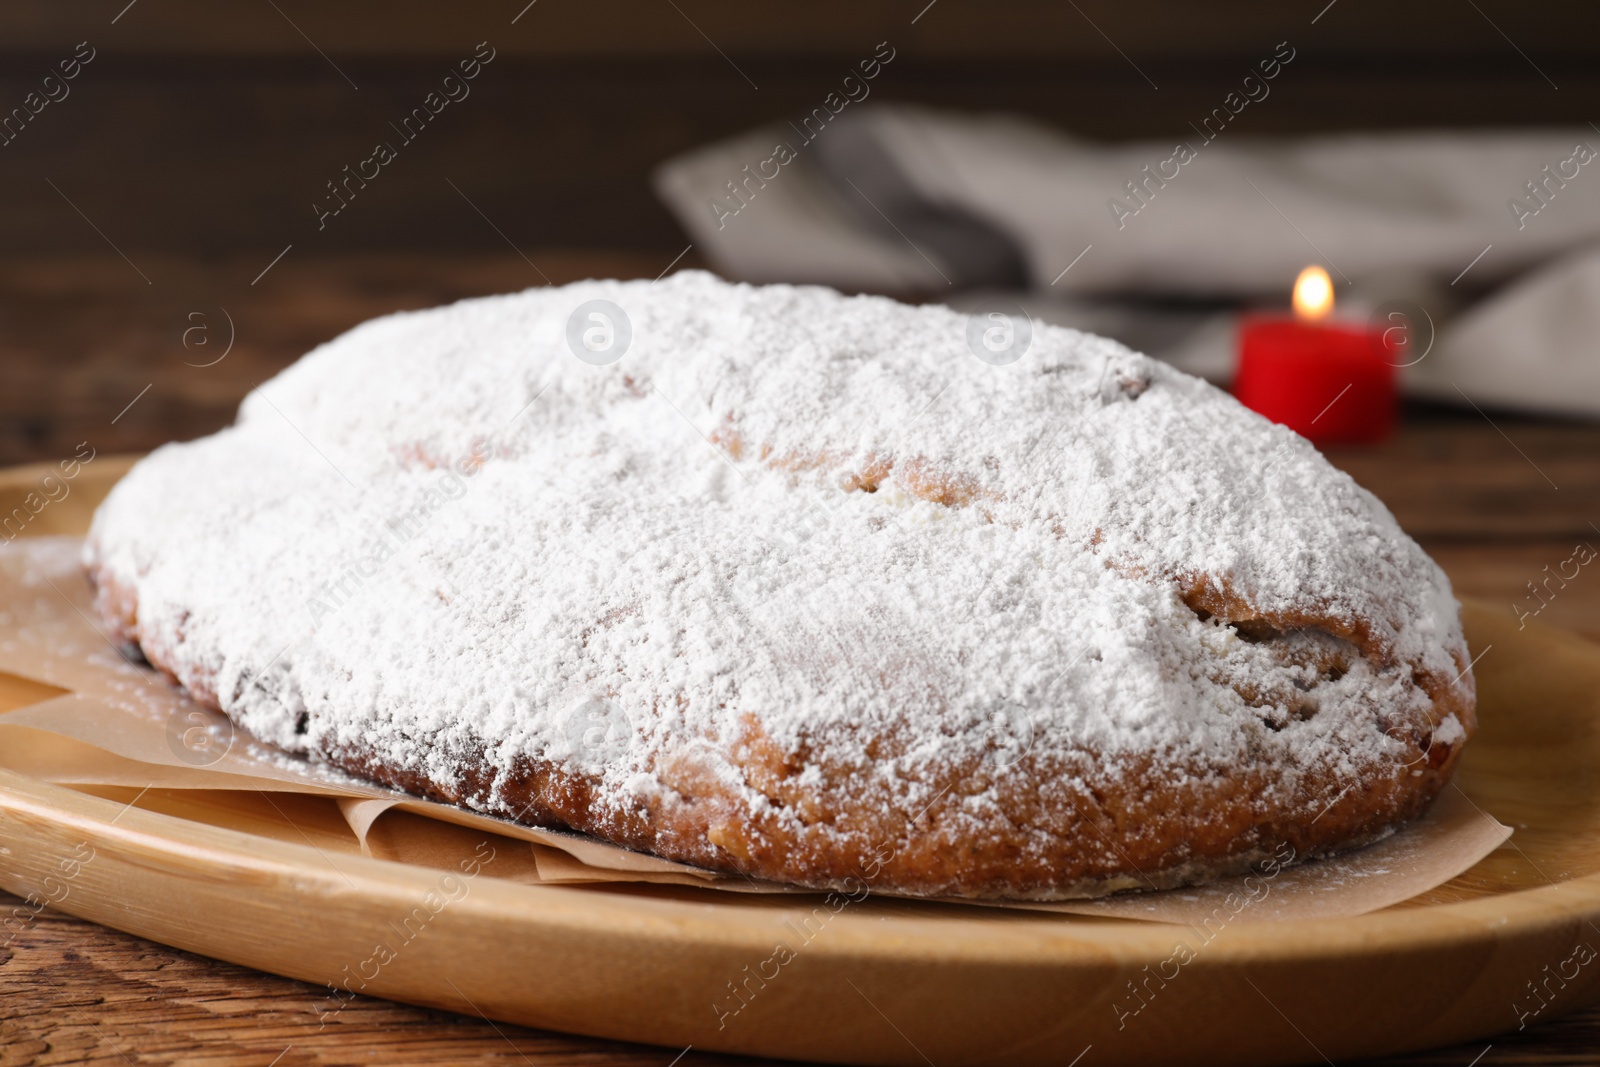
(1495, 498)
(201, 127)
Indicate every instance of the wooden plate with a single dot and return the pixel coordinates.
(882, 981)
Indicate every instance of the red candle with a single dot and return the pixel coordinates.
(1333, 383)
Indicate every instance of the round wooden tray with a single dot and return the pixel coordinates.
(888, 981)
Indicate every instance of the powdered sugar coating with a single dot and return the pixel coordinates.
(443, 530)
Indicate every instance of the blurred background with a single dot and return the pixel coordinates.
(184, 212)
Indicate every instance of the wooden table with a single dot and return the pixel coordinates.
(89, 352)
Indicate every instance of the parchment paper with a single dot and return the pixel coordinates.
(113, 728)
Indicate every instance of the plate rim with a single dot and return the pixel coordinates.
(747, 919)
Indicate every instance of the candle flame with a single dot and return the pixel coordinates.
(1313, 295)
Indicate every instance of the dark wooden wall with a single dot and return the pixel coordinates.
(203, 129)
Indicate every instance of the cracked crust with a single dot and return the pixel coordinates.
(1052, 825)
